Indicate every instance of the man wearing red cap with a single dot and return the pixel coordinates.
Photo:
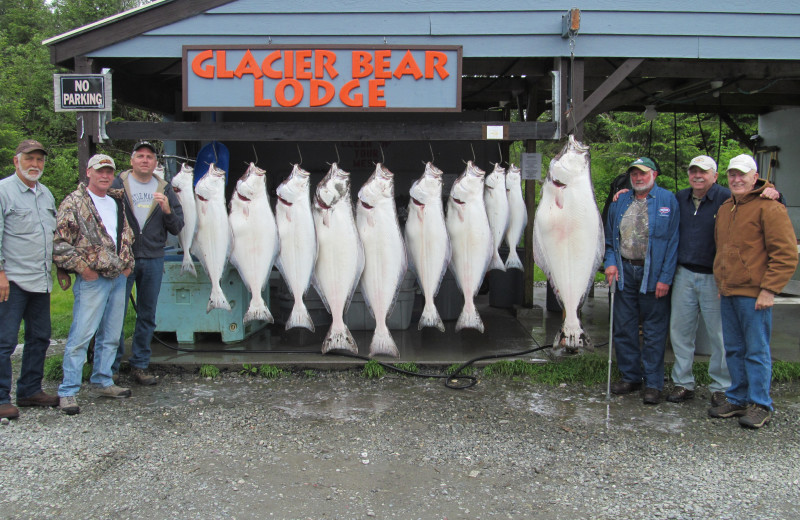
(27, 224)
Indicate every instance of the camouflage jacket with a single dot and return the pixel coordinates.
(82, 241)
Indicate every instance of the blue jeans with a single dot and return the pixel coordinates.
(746, 332)
(34, 308)
(694, 294)
(147, 274)
(635, 362)
(99, 307)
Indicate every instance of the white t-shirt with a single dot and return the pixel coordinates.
(142, 198)
(108, 213)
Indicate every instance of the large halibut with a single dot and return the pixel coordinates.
(495, 199)
(517, 216)
(182, 185)
(568, 240)
(384, 254)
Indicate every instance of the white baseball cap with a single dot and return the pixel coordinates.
(102, 161)
(743, 163)
(704, 162)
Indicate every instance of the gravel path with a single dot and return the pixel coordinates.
(340, 446)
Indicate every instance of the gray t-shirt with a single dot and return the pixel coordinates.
(142, 198)
(634, 230)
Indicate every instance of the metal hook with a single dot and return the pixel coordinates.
(300, 154)
(433, 156)
(473, 153)
(500, 149)
(338, 159)
(255, 153)
(383, 157)
(80, 116)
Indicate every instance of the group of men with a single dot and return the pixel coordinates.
(724, 253)
(110, 233)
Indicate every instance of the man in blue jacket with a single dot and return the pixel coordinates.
(641, 255)
(153, 210)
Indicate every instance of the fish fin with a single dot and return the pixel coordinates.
(497, 262)
(513, 261)
(258, 311)
(469, 320)
(188, 266)
(339, 339)
(300, 318)
(559, 198)
(572, 339)
(383, 344)
(326, 217)
(217, 300)
(430, 318)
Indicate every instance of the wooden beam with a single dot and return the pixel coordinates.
(326, 131)
(738, 133)
(582, 111)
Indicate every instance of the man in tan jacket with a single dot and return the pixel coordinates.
(756, 257)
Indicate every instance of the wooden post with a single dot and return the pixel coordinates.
(530, 205)
(85, 124)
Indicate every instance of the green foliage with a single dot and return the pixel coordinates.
(373, 370)
(209, 371)
(785, 371)
(308, 373)
(248, 370)
(589, 369)
(699, 370)
(54, 369)
(468, 371)
(408, 367)
(270, 371)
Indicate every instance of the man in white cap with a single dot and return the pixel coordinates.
(756, 257)
(27, 222)
(94, 241)
(694, 291)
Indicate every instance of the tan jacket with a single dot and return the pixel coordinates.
(756, 245)
(82, 241)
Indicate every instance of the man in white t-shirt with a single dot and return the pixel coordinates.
(94, 241)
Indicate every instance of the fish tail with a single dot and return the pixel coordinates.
(469, 319)
(430, 317)
(383, 344)
(188, 266)
(258, 311)
(300, 317)
(513, 261)
(217, 300)
(572, 338)
(339, 339)
(497, 262)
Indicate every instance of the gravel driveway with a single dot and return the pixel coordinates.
(340, 446)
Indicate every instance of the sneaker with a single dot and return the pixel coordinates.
(718, 399)
(38, 399)
(69, 405)
(624, 387)
(143, 378)
(728, 409)
(8, 411)
(756, 416)
(680, 394)
(113, 391)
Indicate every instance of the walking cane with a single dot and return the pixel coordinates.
(611, 288)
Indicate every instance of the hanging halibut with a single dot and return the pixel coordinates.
(182, 186)
(384, 255)
(254, 239)
(212, 240)
(340, 255)
(427, 240)
(496, 201)
(568, 239)
(470, 239)
(298, 250)
(517, 216)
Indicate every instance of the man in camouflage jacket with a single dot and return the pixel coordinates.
(94, 241)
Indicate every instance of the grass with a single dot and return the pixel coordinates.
(373, 370)
(270, 371)
(209, 371)
(53, 369)
(408, 367)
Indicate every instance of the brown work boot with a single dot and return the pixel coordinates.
(680, 394)
(143, 378)
(624, 387)
(727, 409)
(38, 399)
(8, 411)
(756, 416)
(718, 399)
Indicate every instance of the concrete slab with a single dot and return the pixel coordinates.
(507, 331)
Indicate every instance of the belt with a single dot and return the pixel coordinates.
(639, 263)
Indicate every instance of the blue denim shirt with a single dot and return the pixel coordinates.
(696, 246)
(662, 243)
(27, 224)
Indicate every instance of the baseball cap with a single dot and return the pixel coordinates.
(144, 144)
(643, 163)
(704, 162)
(102, 161)
(743, 163)
(29, 145)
